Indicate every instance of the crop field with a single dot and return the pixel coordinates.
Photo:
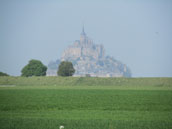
(85, 103)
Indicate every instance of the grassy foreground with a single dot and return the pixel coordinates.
(85, 103)
(84, 81)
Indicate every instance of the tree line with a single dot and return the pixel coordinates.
(37, 68)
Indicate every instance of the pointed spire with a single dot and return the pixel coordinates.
(83, 29)
(83, 32)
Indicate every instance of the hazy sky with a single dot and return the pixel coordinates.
(138, 33)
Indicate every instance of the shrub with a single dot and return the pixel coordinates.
(3, 74)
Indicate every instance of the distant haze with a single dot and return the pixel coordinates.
(137, 33)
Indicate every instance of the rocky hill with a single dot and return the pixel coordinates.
(89, 60)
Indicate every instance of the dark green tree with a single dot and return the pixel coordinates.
(3, 74)
(66, 69)
(34, 68)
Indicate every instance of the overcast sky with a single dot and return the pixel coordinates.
(138, 33)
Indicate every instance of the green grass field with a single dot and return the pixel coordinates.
(85, 103)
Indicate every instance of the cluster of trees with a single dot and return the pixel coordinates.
(3, 74)
(37, 68)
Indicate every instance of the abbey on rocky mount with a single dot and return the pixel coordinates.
(89, 59)
(83, 48)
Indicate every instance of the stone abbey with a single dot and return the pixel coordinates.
(83, 48)
(89, 58)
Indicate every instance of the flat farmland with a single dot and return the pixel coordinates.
(83, 105)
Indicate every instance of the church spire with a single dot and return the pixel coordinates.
(83, 37)
(83, 32)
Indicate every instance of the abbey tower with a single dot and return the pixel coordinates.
(83, 48)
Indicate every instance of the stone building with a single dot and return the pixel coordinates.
(89, 58)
